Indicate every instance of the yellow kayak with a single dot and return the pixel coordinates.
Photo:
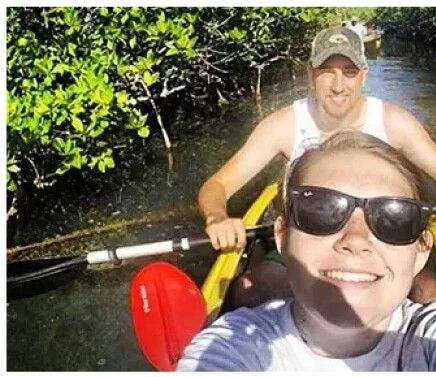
(372, 43)
(226, 267)
(433, 229)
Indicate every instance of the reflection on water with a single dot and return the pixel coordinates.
(404, 75)
(86, 325)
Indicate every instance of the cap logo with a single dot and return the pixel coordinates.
(338, 38)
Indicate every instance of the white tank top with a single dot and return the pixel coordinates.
(307, 133)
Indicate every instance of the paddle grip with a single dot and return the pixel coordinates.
(258, 231)
(162, 247)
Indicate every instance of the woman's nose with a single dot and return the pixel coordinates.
(354, 237)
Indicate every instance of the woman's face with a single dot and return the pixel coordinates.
(351, 278)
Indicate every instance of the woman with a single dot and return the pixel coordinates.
(353, 236)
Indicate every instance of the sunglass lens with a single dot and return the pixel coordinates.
(321, 212)
(395, 221)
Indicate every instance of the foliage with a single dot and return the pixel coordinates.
(83, 83)
(417, 24)
(339, 14)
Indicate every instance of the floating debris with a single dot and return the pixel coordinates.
(101, 362)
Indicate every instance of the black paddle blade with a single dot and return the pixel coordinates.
(32, 277)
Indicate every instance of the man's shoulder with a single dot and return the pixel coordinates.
(285, 112)
(397, 118)
(286, 115)
(394, 110)
(399, 123)
(279, 123)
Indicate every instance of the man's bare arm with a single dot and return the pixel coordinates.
(272, 136)
(405, 133)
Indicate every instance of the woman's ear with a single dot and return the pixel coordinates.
(280, 233)
(425, 245)
(426, 241)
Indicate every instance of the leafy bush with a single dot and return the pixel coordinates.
(416, 24)
(83, 82)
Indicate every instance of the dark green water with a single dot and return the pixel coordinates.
(86, 325)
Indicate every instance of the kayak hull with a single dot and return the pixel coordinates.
(227, 265)
(372, 44)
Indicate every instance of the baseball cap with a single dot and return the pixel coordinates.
(337, 41)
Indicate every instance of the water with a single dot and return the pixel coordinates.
(86, 325)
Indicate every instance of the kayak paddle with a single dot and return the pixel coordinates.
(167, 309)
(31, 272)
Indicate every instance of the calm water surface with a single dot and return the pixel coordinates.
(86, 325)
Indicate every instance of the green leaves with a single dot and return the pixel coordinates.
(132, 42)
(150, 78)
(237, 35)
(138, 122)
(102, 95)
(103, 161)
(161, 25)
(22, 42)
(147, 63)
(12, 170)
(104, 12)
(172, 50)
(72, 49)
(59, 144)
(83, 80)
(44, 64)
(415, 23)
(77, 124)
(143, 132)
(76, 161)
(124, 18)
(122, 98)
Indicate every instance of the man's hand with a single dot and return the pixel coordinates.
(226, 232)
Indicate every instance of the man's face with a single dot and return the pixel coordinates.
(338, 84)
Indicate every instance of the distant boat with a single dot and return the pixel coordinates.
(372, 44)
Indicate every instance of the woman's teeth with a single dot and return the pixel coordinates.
(349, 276)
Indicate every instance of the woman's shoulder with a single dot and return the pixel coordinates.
(274, 311)
(237, 341)
(418, 313)
(418, 348)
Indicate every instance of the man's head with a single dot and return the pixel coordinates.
(337, 71)
(354, 20)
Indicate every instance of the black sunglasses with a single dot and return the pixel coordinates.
(393, 220)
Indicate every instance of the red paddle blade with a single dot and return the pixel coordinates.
(168, 310)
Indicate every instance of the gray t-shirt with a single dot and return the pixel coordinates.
(266, 339)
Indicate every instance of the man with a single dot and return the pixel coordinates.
(357, 27)
(336, 75)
